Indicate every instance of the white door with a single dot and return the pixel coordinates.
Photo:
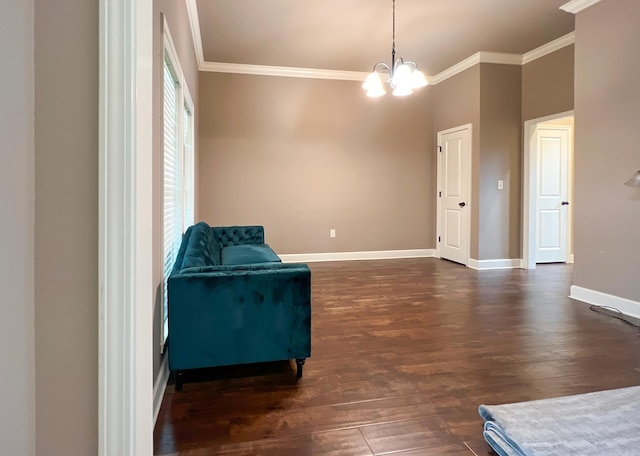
(552, 195)
(454, 182)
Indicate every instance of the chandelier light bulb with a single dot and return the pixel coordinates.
(418, 79)
(401, 81)
(376, 92)
(373, 85)
(402, 90)
(372, 82)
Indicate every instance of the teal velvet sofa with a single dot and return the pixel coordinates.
(232, 301)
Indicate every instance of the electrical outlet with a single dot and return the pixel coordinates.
(332, 233)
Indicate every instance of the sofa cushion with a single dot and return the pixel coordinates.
(248, 253)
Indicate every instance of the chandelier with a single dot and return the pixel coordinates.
(402, 76)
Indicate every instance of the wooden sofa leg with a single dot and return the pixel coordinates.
(178, 375)
(299, 364)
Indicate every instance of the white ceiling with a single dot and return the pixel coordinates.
(353, 35)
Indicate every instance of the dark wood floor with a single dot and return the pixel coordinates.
(403, 353)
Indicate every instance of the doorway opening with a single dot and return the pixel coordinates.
(547, 229)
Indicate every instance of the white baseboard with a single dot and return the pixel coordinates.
(626, 306)
(351, 256)
(482, 265)
(159, 387)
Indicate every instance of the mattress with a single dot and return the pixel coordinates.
(600, 423)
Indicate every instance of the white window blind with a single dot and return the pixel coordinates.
(173, 210)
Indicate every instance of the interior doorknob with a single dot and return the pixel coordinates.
(463, 204)
(565, 203)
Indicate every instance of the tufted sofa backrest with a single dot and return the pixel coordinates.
(202, 248)
(237, 235)
(202, 244)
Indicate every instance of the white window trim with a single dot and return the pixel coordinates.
(184, 100)
(125, 252)
(189, 173)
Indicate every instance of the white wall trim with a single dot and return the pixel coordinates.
(482, 265)
(562, 42)
(477, 58)
(500, 58)
(455, 69)
(626, 306)
(196, 35)
(289, 72)
(316, 73)
(125, 354)
(159, 387)
(170, 48)
(351, 256)
(575, 6)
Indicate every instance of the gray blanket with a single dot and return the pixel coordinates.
(604, 423)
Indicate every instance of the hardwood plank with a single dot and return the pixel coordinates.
(408, 435)
(335, 443)
(403, 353)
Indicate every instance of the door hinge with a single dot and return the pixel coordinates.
(439, 239)
(440, 194)
(439, 148)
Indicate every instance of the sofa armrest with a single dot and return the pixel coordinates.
(237, 235)
(238, 316)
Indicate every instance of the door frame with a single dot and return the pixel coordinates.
(469, 128)
(529, 187)
(125, 249)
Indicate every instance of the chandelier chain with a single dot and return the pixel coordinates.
(403, 76)
(393, 45)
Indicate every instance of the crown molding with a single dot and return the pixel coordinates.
(575, 6)
(455, 69)
(194, 22)
(290, 72)
(500, 58)
(563, 41)
(475, 59)
(315, 73)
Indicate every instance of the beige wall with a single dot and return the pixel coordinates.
(66, 215)
(547, 84)
(488, 96)
(178, 21)
(66, 227)
(607, 152)
(17, 383)
(456, 102)
(243, 115)
(303, 156)
(499, 227)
